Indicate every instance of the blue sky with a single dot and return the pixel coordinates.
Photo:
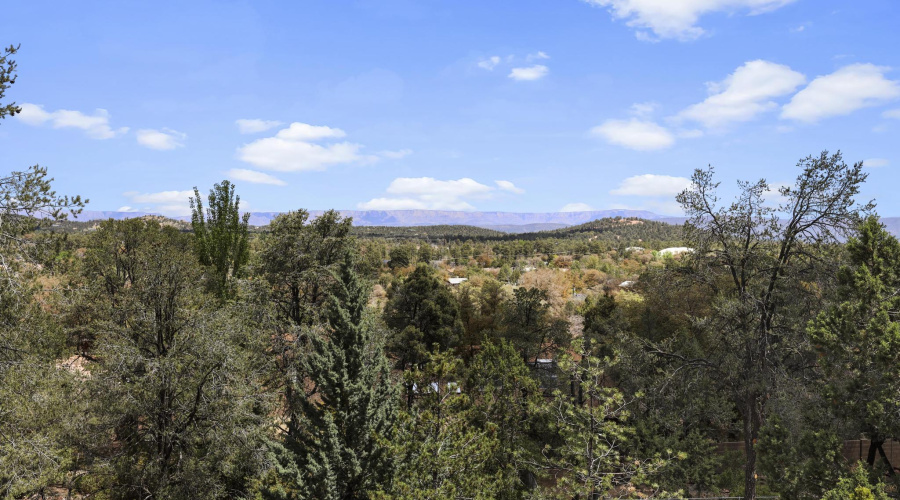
(505, 105)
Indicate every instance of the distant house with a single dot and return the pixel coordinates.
(634, 249)
(675, 251)
(456, 281)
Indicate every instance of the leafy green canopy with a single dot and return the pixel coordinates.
(220, 232)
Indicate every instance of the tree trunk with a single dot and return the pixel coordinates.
(752, 423)
(874, 444)
(884, 457)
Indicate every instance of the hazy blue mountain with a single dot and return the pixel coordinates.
(510, 222)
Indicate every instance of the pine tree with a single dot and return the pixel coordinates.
(352, 401)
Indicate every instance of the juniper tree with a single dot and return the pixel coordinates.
(344, 401)
(859, 338)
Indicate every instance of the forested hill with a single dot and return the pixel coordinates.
(426, 232)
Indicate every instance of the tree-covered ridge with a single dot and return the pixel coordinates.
(437, 232)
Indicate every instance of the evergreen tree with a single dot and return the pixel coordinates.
(859, 338)
(220, 233)
(346, 401)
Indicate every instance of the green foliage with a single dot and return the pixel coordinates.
(437, 454)
(298, 260)
(220, 233)
(799, 464)
(859, 337)
(856, 486)
(505, 396)
(344, 402)
(531, 328)
(7, 79)
(591, 459)
(169, 386)
(423, 313)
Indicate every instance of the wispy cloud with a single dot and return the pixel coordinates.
(640, 135)
(428, 193)
(489, 63)
(255, 126)
(577, 207)
(171, 203)
(677, 19)
(164, 139)
(652, 185)
(95, 126)
(530, 73)
(254, 177)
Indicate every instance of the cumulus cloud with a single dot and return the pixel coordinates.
(297, 149)
(428, 193)
(876, 162)
(652, 185)
(95, 126)
(577, 207)
(677, 18)
(255, 126)
(252, 176)
(509, 186)
(635, 134)
(744, 94)
(846, 90)
(530, 73)
(489, 63)
(171, 203)
(395, 155)
(164, 139)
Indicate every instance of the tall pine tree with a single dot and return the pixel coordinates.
(344, 403)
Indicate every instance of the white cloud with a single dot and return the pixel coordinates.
(95, 126)
(892, 113)
(643, 109)
(398, 204)
(254, 126)
(164, 139)
(242, 174)
(876, 162)
(396, 155)
(577, 207)
(530, 73)
(635, 134)
(171, 203)
(651, 185)
(126, 208)
(428, 193)
(744, 94)
(294, 149)
(489, 63)
(537, 56)
(509, 186)
(846, 90)
(305, 132)
(678, 18)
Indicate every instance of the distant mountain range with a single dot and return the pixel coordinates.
(509, 222)
(513, 222)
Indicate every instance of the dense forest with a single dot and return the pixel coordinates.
(309, 359)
